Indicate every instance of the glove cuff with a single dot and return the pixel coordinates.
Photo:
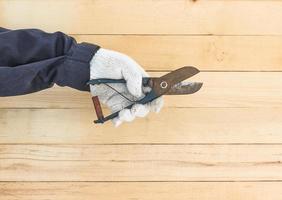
(83, 52)
(76, 68)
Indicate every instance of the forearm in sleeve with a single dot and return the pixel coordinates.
(32, 60)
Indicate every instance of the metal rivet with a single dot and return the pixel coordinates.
(163, 84)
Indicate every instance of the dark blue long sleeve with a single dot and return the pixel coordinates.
(32, 60)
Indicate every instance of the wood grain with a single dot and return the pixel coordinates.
(229, 53)
(221, 89)
(221, 143)
(141, 190)
(145, 17)
(140, 162)
(172, 126)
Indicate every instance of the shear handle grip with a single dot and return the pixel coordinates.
(148, 98)
(145, 81)
(98, 109)
(101, 119)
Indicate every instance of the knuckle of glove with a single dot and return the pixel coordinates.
(140, 110)
(126, 115)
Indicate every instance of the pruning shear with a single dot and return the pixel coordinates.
(169, 84)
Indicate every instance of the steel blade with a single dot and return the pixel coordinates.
(185, 88)
(163, 84)
(180, 74)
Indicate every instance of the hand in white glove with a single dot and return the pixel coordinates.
(114, 65)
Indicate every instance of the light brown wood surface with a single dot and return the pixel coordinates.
(220, 17)
(140, 162)
(142, 190)
(220, 89)
(224, 142)
(172, 126)
(225, 53)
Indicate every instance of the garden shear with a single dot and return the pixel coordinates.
(169, 84)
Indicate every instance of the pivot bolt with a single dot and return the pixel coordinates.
(163, 84)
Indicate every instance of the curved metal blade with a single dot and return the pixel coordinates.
(185, 88)
(172, 79)
(180, 74)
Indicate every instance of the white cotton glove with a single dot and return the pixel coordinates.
(115, 65)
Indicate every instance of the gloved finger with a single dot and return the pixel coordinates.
(126, 115)
(114, 100)
(133, 82)
(137, 110)
(140, 110)
(146, 90)
(134, 66)
(117, 103)
(133, 74)
(100, 91)
(105, 91)
(117, 122)
(156, 105)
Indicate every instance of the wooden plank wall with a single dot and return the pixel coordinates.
(224, 142)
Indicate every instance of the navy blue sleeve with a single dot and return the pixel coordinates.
(32, 60)
(3, 29)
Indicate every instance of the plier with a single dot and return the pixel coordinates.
(169, 84)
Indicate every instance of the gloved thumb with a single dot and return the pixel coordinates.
(133, 81)
(134, 86)
(133, 74)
